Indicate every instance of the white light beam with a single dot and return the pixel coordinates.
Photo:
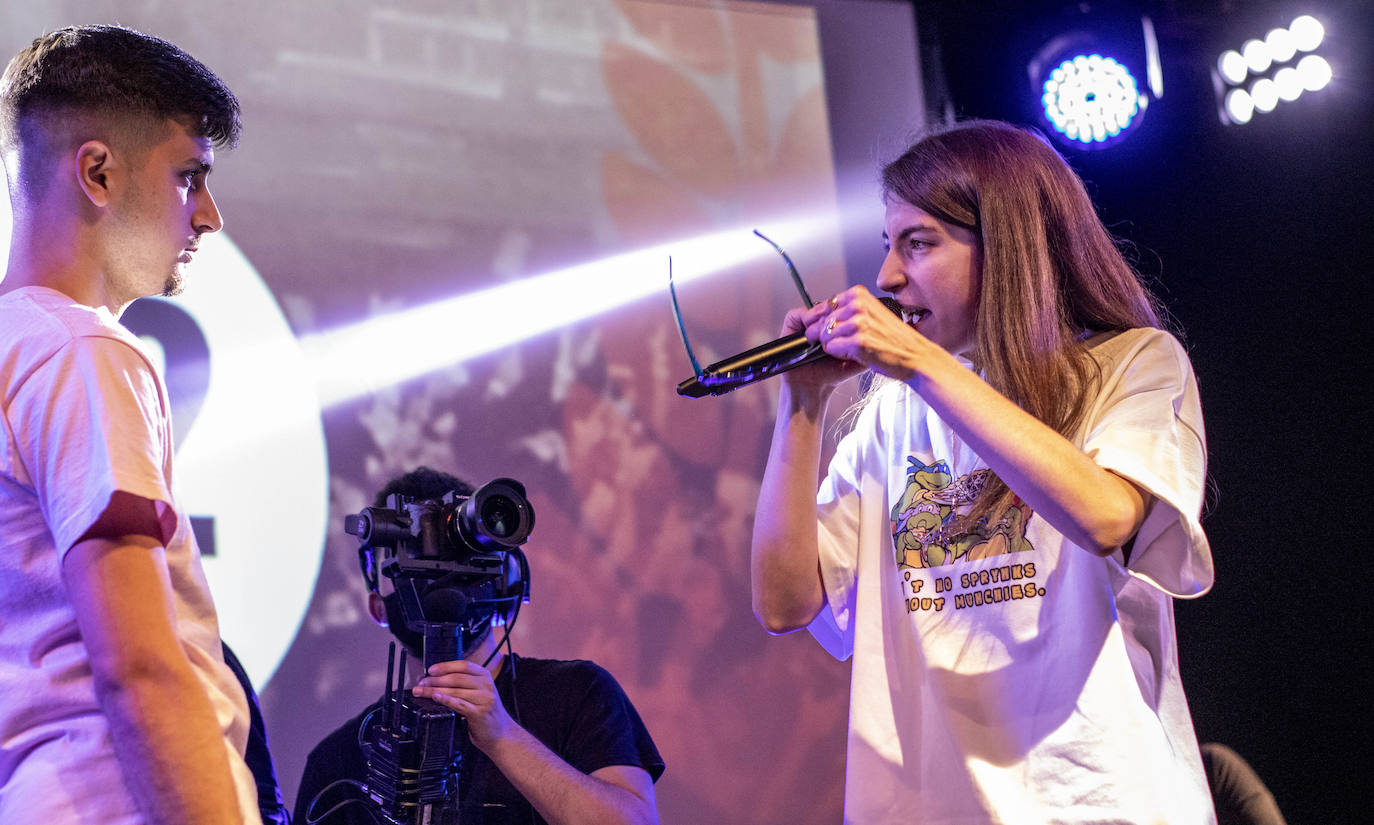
(380, 352)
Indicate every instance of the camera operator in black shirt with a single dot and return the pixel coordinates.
(548, 741)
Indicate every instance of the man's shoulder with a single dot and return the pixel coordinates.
(41, 311)
(553, 691)
(39, 323)
(337, 756)
(581, 712)
(344, 737)
(566, 673)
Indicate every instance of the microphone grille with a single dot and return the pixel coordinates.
(444, 604)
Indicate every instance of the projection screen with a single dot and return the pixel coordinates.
(447, 232)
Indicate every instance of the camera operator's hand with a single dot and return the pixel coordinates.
(467, 688)
(563, 795)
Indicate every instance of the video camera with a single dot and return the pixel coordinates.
(454, 563)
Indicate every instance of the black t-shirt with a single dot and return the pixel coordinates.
(576, 708)
(258, 755)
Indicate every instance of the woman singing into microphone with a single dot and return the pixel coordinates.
(998, 538)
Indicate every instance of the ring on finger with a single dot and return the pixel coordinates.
(830, 328)
(832, 303)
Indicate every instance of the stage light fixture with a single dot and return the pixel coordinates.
(1308, 32)
(1314, 71)
(1289, 83)
(1282, 45)
(1261, 74)
(1091, 98)
(1265, 94)
(1256, 55)
(1240, 107)
(1095, 80)
(1232, 66)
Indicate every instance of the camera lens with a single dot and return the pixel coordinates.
(495, 517)
(500, 517)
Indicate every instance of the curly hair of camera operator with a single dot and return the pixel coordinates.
(455, 564)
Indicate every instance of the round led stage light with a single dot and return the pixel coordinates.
(1307, 32)
(1240, 106)
(1093, 100)
(1314, 72)
(1232, 66)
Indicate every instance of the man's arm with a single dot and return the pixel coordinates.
(164, 728)
(563, 795)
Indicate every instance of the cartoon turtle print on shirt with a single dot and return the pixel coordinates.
(926, 530)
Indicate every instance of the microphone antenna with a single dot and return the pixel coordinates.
(390, 666)
(400, 690)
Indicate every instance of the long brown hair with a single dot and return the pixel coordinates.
(1052, 274)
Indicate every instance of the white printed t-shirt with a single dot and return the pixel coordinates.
(1011, 676)
(83, 415)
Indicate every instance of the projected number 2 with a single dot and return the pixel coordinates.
(249, 447)
(186, 371)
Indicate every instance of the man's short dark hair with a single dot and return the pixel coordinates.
(119, 72)
(423, 484)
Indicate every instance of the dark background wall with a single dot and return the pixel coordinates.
(1258, 238)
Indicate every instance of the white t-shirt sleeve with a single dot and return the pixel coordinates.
(838, 535)
(87, 423)
(1147, 427)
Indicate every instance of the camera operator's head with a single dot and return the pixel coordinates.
(420, 484)
(442, 559)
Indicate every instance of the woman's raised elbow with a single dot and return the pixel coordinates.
(779, 619)
(1116, 517)
(1109, 532)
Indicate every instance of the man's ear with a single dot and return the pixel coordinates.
(93, 164)
(376, 608)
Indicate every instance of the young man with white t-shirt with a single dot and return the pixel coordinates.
(116, 705)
